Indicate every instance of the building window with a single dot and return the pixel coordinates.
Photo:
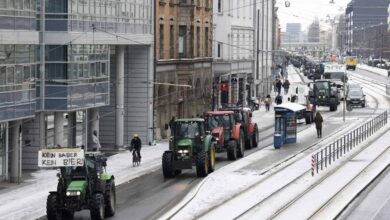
(206, 42)
(198, 42)
(161, 41)
(172, 42)
(219, 6)
(182, 41)
(219, 52)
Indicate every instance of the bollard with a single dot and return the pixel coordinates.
(330, 155)
(337, 149)
(317, 161)
(344, 144)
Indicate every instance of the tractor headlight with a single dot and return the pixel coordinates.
(217, 139)
(185, 151)
(73, 193)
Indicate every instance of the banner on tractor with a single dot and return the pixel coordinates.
(64, 157)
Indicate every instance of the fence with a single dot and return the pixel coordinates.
(329, 154)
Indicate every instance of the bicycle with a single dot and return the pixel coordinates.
(136, 159)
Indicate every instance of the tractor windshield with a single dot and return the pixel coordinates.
(219, 121)
(187, 130)
(322, 88)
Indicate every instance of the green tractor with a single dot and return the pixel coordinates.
(189, 146)
(85, 186)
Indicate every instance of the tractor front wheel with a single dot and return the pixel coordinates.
(202, 164)
(241, 147)
(97, 206)
(110, 198)
(232, 150)
(212, 157)
(167, 165)
(53, 211)
(255, 138)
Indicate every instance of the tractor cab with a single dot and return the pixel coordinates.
(220, 124)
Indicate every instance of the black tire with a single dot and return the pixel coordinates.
(202, 164)
(255, 138)
(241, 145)
(167, 165)
(363, 105)
(212, 157)
(53, 211)
(232, 150)
(97, 206)
(110, 198)
(349, 107)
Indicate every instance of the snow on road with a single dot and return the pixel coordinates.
(29, 201)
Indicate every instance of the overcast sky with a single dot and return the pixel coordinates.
(304, 11)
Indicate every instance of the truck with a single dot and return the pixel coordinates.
(83, 183)
(337, 75)
(323, 93)
(189, 146)
(351, 62)
(228, 134)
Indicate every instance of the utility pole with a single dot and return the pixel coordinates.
(258, 50)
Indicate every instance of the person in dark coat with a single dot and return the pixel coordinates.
(279, 86)
(136, 145)
(278, 99)
(286, 86)
(318, 120)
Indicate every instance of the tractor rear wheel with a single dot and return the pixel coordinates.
(110, 198)
(241, 146)
(53, 211)
(232, 150)
(97, 206)
(212, 157)
(202, 164)
(255, 138)
(167, 165)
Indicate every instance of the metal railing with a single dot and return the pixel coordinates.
(336, 150)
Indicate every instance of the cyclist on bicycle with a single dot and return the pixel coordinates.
(136, 145)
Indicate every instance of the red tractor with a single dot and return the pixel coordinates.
(250, 130)
(228, 133)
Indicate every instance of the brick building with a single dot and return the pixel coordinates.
(183, 57)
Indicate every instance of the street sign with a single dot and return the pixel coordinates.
(61, 157)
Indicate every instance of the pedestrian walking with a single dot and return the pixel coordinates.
(135, 145)
(282, 73)
(318, 120)
(274, 84)
(268, 102)
(279, 86)
(95, 141)
(286, 86)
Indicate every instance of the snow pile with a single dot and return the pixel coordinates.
(29, 201)
(379, 71)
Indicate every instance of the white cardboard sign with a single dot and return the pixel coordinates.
(70, 157)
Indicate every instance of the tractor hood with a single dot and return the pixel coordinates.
(184, 142)
(77, 185)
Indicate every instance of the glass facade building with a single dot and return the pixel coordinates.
(77, 77)
(18, 14)
(119, 16)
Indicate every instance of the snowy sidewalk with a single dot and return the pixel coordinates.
(378, 71)
(29, 200)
